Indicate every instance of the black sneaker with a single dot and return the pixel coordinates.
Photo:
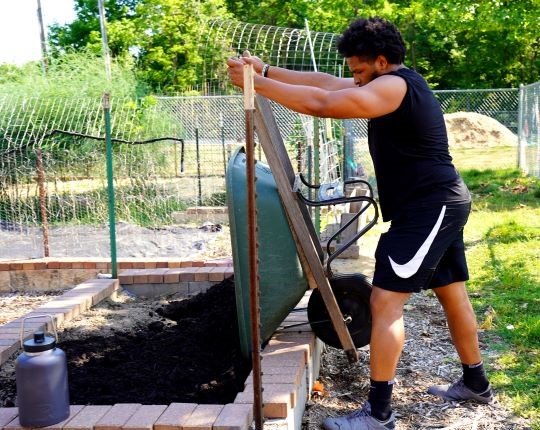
(459, 391)
(360, 420)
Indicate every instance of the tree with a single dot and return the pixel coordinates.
(83, 31)
(170, 31)
(458, 44)
(161, 35)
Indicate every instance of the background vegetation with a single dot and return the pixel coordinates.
(459, 44)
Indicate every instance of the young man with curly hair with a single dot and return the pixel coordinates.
(420, 192)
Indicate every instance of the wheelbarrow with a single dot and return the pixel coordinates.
(282, 278)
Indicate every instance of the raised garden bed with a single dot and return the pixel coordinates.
(152, 352)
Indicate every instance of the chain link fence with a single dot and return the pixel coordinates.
(170, 153)
(529, 129)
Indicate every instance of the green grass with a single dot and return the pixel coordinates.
(503, 252)
(498, 157)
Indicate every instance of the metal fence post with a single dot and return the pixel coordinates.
(222, 129)
(198, 155)
(520, 147)
(316, 170)
(110, 183)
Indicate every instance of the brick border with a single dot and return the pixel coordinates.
(105, 263)
(290, 363)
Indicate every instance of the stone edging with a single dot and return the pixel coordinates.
(55, 273)
(290, 363)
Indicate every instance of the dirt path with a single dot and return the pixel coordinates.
(428, 358)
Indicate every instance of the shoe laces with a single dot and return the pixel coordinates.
(365, 411)
(459, 383)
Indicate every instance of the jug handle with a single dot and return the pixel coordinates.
(39, 316)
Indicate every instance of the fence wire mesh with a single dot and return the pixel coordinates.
(169, 153)
(529, 129)
(291, 48)
(500, 104)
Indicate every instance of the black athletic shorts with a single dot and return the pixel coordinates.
(423, 249)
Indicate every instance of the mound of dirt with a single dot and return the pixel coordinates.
(474, 130)
(185, 351)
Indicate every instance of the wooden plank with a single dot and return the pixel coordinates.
(280, 164)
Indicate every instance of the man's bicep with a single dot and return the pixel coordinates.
(358, 103)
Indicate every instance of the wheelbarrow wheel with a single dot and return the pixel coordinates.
(352, 292)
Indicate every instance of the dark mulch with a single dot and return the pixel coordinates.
(196, 360)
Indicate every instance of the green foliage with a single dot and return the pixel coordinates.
(503, 243)
(458, 44)
(219, 198)
(150, 208)
(161, 35)
(495, 189)
(74, 74)
(84, 32)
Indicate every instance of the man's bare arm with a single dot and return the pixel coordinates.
(293, 77)
(379, 97)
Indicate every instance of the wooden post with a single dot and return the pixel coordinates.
(306, 239)
(253, 256)
(42, 201)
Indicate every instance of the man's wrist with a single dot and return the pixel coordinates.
(265, 69)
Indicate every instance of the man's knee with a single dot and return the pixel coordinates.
(389, 303)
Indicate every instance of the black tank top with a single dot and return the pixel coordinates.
(409, 148)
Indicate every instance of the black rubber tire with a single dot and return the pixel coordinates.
(352, 292)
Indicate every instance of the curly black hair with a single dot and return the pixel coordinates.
(371, 37)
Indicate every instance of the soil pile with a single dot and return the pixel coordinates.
(474, 130)
(186, 351)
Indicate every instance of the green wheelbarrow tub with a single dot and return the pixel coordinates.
(282, 282)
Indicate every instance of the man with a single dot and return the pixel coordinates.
(420, 192)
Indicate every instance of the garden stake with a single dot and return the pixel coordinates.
(199, 190)
(110, 183)
(222, 129)
(249, 108)
(42, 201)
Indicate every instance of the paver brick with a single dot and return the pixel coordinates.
(279, 375)
(216, 274)
(144, 417)
(201, 274)
(196, 263)
(14, 424)
(53, 265)
(68, 312)
(117, 416)
(7, 415)
(188, 274)
(203, 417)
(87, 417)
(175, 416)
(73, 410)
(284, 359)
(283, 347)
(234, 417)
(172, 276)
(278, 399)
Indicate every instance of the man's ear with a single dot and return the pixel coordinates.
(381, 62)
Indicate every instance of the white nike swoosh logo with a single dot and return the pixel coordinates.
(411, 267)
